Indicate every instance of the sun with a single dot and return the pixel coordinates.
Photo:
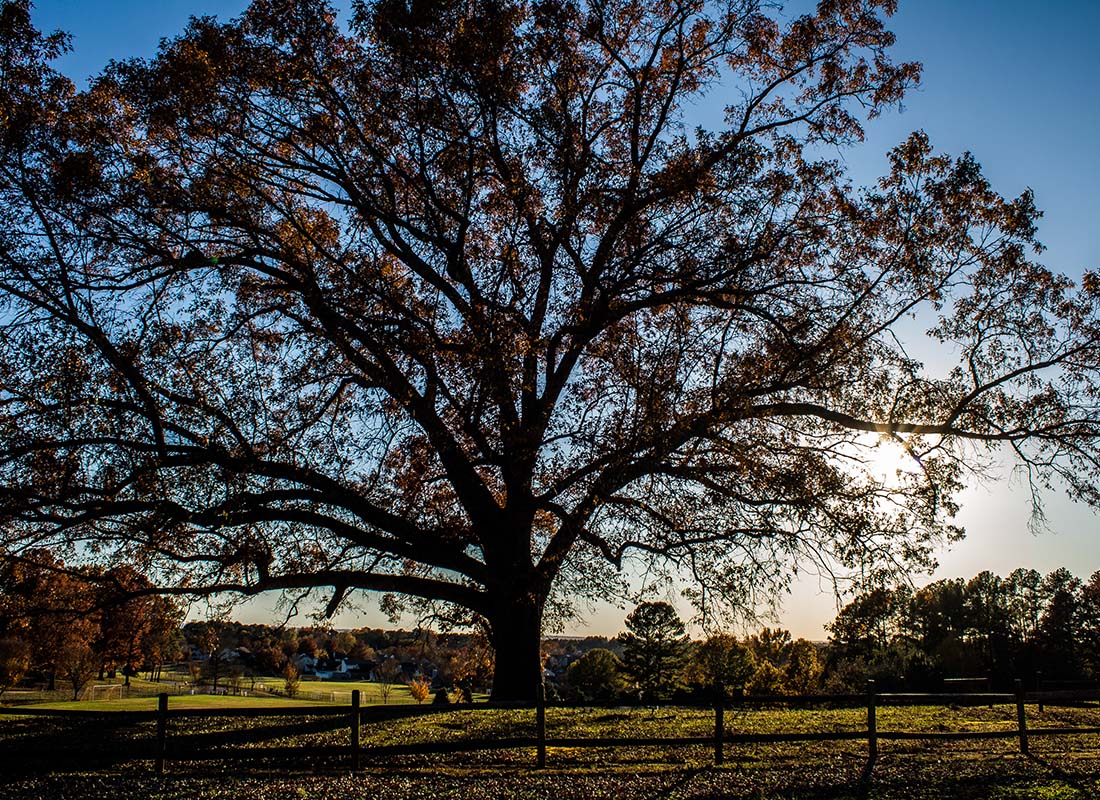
(886, 459)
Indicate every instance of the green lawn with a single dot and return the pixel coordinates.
(309, 692)
(340, 691)
(371, 692)
(180, 701)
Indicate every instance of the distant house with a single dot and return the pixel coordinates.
(556, 665)
(330, 668)
(304, 663)
(228, 655)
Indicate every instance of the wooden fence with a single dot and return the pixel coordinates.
(351, 718)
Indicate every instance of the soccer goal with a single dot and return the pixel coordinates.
(107, 692)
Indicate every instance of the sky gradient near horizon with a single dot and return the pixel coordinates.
(1016, 83)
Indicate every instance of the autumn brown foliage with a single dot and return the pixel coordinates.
(458, 304)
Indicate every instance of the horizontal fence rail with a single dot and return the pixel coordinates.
(219, 745)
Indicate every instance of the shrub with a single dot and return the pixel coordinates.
(419, 689)
(595, 676)
(292, 679)
(768, 679)
(721, 662)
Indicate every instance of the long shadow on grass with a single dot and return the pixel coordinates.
(1070, 780)
(43, 745)
(682, 781)
(36, 746)
(208, 740)
(857, 789)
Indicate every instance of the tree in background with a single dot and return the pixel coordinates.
(1025, 601)
(213, 641)
(870, 622)
(471, 666)
(420, 689)
(125, 620)
(15, 660)
(163, 640)
(772, 649)
(768, 679)
(804, 670)
(387, 674)
(234, 678)
(55, 610)
(597, 675)
(1059, 626)
(721, 663)
(936, 623)
(292, 679)
(986, 627)
(655, 648)
(269, 658)
(74, 659)
(45, 603)
(988, 614)
(772, 645)
(1088, 615)
(39, 599)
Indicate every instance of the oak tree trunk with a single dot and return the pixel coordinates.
(516, 635)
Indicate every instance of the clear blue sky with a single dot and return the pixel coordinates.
(1015, 82)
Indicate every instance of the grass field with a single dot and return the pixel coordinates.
(180, 702)
(370, 692)
(1058, 767)
(309, 692)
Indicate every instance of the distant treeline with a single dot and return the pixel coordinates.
(59, 623)
(1026, 626)
(1044, 630)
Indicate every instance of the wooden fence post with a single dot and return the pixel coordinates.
(540, 724)
(872, 723)
(1039, 688)
(719, 724)
(355, 722)
(1021, 718)
(162, 730)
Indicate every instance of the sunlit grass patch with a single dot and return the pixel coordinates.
(183, 701)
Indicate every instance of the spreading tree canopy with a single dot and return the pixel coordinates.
(453, 301)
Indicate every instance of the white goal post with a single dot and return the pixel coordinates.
(111, 691)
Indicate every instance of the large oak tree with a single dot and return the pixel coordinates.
(452, 301)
